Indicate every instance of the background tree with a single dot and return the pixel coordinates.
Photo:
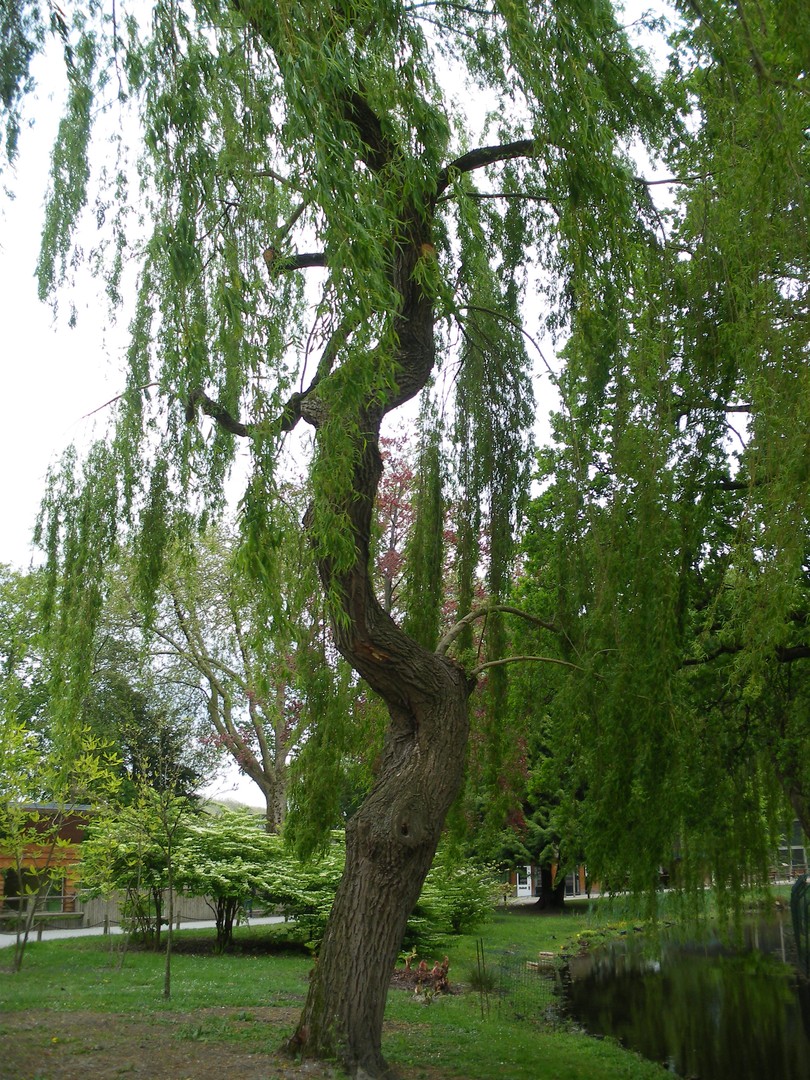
(121, 856)
(23, 673)
(160, 743)
(124, 705)
(459, 895)
(394, 519)
(262, 696)
(133, 850)
(746, 342)
(227, 859)
(206, 638)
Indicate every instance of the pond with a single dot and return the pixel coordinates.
(703, 1009)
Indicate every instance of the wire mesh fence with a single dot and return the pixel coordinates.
(800, 911)
(522, 985)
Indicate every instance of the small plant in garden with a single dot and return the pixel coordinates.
(426, 981)
(482, 980)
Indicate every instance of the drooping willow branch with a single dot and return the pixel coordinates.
(120, 397)
(198, 398)
(291, 412)
(522, 330)
(483, 612)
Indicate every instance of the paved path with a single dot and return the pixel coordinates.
(7, 938)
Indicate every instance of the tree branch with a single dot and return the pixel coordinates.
(469, 9)
(517, 196)
(476, 671)
(271, 174)
(525, 148)
(726, 484)
(687, 407)
(277, 263)
(380, 149)
(120, 397)
(292, 411)
(673, 180)
(784, 654)
(480, 613)
(484, 155)
(217, 412)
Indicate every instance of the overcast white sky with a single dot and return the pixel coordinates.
(52, 376)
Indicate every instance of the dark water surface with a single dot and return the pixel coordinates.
(703, 1009)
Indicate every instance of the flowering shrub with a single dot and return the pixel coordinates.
(232, 861)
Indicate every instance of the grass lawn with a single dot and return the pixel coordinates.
(76, 1010)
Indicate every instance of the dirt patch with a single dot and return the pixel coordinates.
(423, 982)
(208, 1044)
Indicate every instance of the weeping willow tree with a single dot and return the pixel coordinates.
(677, 535)
(336, 210)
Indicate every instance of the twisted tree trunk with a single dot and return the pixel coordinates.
(390, 844)
(391, 840)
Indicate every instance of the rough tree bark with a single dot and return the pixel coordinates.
(391, 840)
(390, 845)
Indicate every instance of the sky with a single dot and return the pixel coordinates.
(52, 376)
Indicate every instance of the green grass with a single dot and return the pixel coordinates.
(456, 1034)
(85, 973)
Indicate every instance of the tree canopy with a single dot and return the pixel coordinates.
(675, 519)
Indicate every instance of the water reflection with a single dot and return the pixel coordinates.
(701, 1008)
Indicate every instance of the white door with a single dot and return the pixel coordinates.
(524, 881)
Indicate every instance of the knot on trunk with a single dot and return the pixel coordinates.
(410, 815)
(314, 410)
